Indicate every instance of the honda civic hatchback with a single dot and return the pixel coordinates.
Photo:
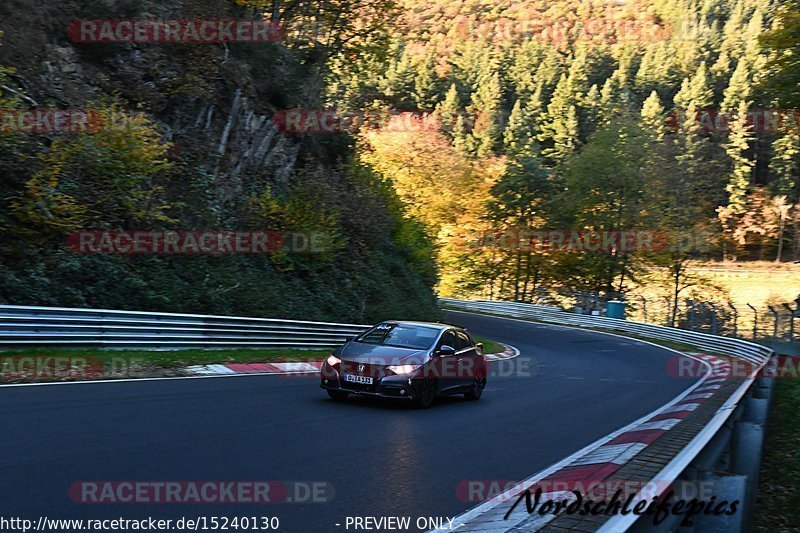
(416, 361)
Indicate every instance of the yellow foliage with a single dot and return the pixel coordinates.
(105, 175)
(440, 186)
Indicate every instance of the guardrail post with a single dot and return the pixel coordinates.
(709, 458)
(748, 441)
(684, 489)
(765, 383)
(724, 487)
(756, 408)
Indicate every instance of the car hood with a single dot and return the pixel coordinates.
(375, 354)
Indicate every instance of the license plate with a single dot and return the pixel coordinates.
(364, 380)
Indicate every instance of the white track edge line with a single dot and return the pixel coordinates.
(133, 380)
(234, 375)
(486, 506)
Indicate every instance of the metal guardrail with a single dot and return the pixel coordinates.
(755, 353)
(726, 453)
(22, 326)
(772, 325)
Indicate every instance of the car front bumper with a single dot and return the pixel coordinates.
(403, 387)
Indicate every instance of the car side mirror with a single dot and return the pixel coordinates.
(479, 345)
(446, 351)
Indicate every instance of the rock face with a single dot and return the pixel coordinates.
(230, 168)
(213, 102)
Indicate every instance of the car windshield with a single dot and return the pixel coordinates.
(401, 335)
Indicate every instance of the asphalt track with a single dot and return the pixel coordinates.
(382, 458)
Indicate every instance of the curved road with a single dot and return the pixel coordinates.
(382, 458)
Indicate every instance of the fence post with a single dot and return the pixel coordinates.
(735, 319)
(668, 318)
(755, 321)
(644, 308)
(775, 325)
(713, 319)
(791, 321)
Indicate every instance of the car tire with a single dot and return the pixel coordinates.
(338, 395)
(478, 384)
(425, 394)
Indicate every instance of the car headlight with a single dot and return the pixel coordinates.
(402, 370)
(333, 360)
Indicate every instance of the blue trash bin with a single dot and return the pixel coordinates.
(616, 309)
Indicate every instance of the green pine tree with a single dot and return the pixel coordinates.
(427, 84)
(653, 116)
(785, 161)
(486, 109)
(560, 130)
(735, 105)
(448, 111)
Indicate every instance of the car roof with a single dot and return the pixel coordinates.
(437, 325)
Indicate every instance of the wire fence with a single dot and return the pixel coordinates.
(775, 326)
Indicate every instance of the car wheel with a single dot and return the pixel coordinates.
(478, 384)
(426, 393)
(338, 395)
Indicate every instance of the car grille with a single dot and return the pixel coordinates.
(376, 372)
(373, 371)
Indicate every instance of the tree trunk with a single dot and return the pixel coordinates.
(781, 229)
(796, 225)
(677, 270)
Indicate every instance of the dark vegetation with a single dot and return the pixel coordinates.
(192, 149)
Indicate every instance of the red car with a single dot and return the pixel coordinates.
(416, 361)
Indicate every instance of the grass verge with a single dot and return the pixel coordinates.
(778, 503)
(118, 364)
(490, 346)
